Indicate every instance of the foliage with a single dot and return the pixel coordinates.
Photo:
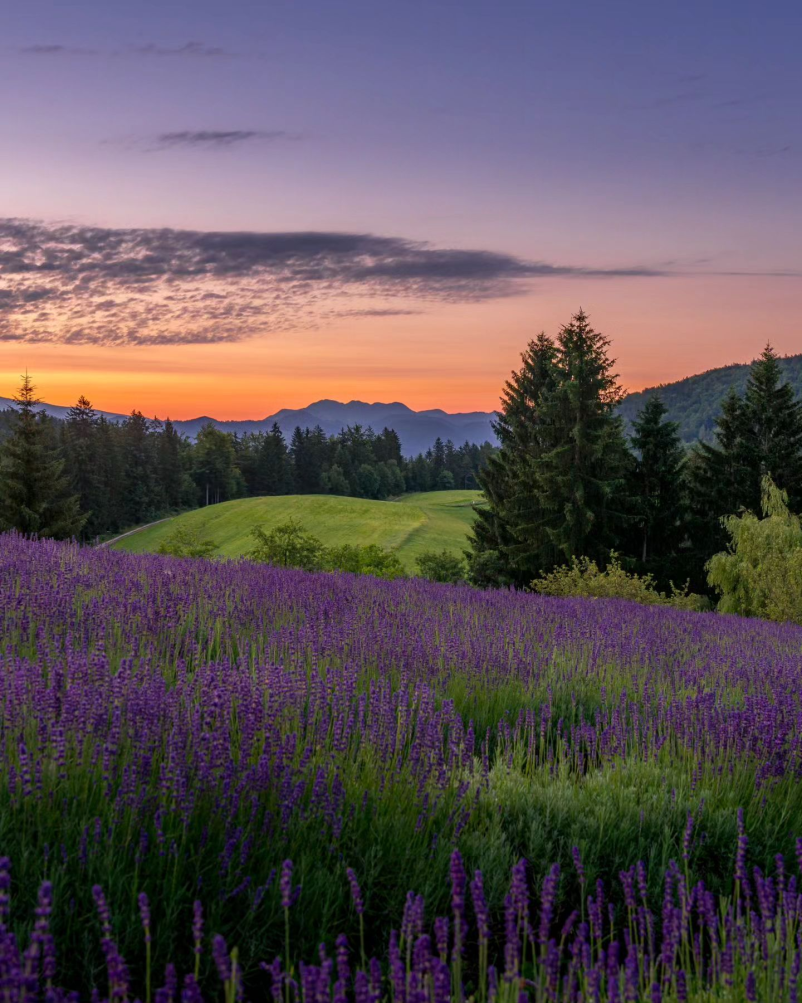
(760, 574)
(554, 488)
(656, 488)
(583, 577)
(370, 559)
(187, 541)
(696, 401)
(442, 566)
(35, 495)
(287, 546)
(757, 435)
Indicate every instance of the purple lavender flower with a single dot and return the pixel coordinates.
(356, 893)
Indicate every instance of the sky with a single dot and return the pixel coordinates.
(229, 208)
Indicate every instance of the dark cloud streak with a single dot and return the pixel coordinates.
(218, 138)
(73, 284)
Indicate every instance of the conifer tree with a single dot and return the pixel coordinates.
(273, 473)
(80, 447)
(757, 435)
(170, 466)
(772, 432)
(35, 496)
(508, 540)
(138, 494)
(657, 490)
(580, 477)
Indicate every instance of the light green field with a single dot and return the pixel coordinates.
(434, 520)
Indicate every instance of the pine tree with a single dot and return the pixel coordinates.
(508, 543)
(169, 466)
(273, 472)
(81, 453)
(657, 490)
(772, 432)
(580, 477)
(215, 469)
(138, 501)
(35, 497)
(756, 436)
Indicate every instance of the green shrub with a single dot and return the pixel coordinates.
(583, 577)
(442, 566)
(290, 546)
(187, 541)
(369, 560)
(287, 546)
(761, 572)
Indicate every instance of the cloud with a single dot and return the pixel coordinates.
(71, 284)
(184, 50)
(187, 49)
(218, 138)
(55, 50)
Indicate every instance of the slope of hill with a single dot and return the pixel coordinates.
(435, 520)
(696, 401)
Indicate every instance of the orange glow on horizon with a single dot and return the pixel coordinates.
(454, 357)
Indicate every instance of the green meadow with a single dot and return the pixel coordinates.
(433, 520)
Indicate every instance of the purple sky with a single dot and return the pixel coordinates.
(642, 160)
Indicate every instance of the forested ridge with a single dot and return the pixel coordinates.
(694, 403)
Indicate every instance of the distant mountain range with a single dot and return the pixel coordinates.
(416, 429)
(693, 402)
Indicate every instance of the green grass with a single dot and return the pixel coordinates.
(432, 520)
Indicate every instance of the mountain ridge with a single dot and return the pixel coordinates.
(693, 402)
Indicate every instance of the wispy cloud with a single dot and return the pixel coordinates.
(195, 49)
(56, 50)
(90, 285)
(218, 138)
(183, 50)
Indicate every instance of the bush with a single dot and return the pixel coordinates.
(187, 541)
(290, 546)
(368, 560)
(287, 546)
(442, 566)
(584, 578)
(761, 572)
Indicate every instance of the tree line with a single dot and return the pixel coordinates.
(568, 485)
(85, 476)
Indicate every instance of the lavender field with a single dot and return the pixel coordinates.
(227, 781)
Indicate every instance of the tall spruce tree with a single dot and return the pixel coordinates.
(756, 435)
(772, 432)
(273, 470)
(656, 490)
(580, 477)
(35, 496)
(509, 545)
(81, 453)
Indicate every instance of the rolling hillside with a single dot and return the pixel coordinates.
(431, 521)
(695, 402)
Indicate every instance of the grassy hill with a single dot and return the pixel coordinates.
(695, 402)
(430, 521)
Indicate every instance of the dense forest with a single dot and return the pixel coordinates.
(132, 472)
(695, 402)
(568, 483)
